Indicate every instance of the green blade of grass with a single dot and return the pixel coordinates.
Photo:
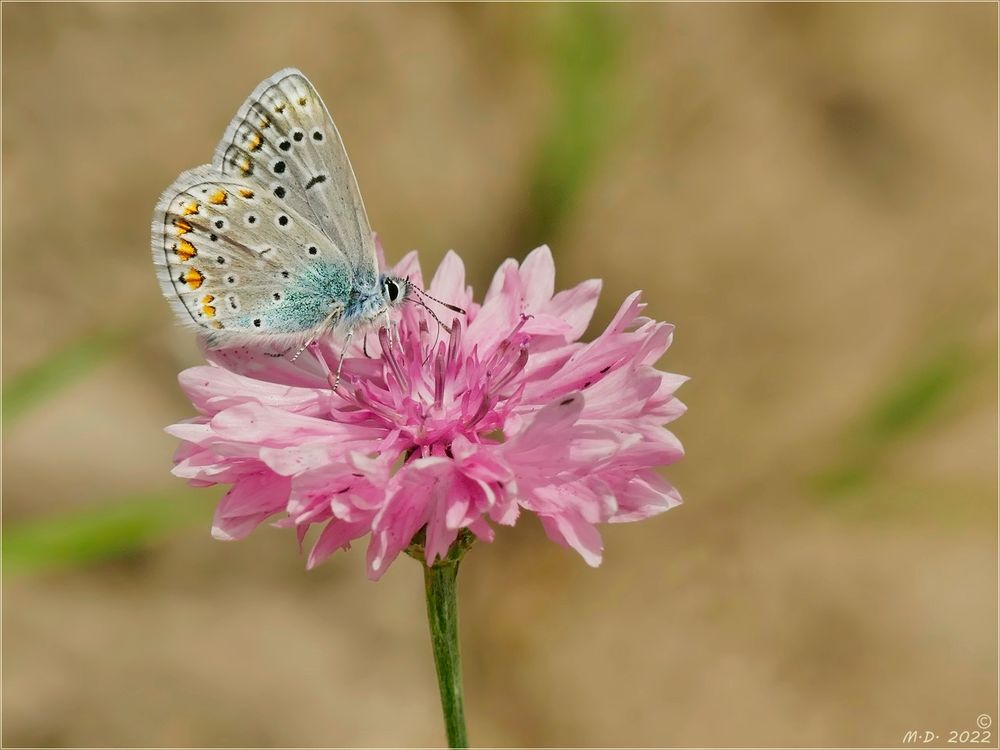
(36, 383)
(918, 395)
(84, 537)
(583, 42)
(909, 402)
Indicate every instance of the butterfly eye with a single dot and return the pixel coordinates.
(391, 290)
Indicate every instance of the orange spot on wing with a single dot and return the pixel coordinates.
(246, 167)
(207, 299)
(182, 227)
(255, 141)
(302, 100)
(194, 278)
(280, 107)
(208, 310)
(246, 193)
(191, 208)
(218, 198)
(185, 250)
(217, 324)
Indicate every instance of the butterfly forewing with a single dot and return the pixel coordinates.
(284, 141)
(232, 261)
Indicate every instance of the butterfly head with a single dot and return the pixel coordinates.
(395, 290)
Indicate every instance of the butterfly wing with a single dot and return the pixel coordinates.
(234, 263)
(284, 140)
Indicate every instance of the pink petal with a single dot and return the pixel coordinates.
(538, 277)
(448, 283)
(643, 496)
(482, 529)
(212, 389)
(501, 283)
(193, 432)
(506, 510)
(440, 536)
(570, 530)
(409, 268)
(406, 509)
(259, 363)
(541, 324)
(498, 315)
(336, 535)
(541, 441)
(208, 467)
(269, 426)
(576, 306)
(298, 459)
(626, 314)
(248, 503)
(669, 411)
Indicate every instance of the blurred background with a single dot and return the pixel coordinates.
(808, 192)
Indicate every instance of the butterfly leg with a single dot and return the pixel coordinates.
(326, 325)
(302, 348)
(343, 353)
(389, 328)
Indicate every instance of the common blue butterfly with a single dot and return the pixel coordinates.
(270, 243)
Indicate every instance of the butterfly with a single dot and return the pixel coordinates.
(270, 245)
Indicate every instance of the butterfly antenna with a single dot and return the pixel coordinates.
(453, 308)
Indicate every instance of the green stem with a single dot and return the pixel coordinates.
(442, 614)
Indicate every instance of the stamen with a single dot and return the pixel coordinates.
(515, 369)
(430, 349)
(391, 418)
(525, 317)
(440, 367)
(390, 357)
(455, 341)
(419, 302)
(484, 407)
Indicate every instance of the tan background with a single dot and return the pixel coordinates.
(808, 192)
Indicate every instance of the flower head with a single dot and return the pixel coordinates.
(444, 430)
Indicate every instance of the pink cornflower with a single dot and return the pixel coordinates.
(444, 431)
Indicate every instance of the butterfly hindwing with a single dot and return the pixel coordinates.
(284, 141)
(232, 261)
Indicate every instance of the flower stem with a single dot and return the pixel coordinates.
(442, 614)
